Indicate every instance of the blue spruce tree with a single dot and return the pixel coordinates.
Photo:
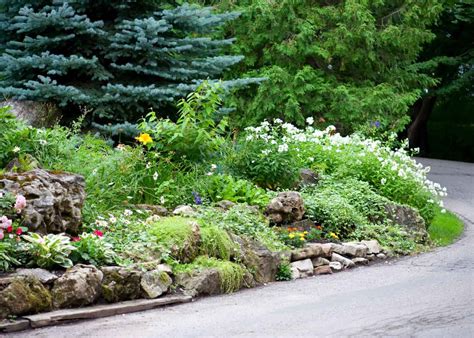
(117, 58)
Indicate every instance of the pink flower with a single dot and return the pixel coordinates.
(1, 234)
(10, 229)
(19, 231)
(76, 239)
(98, 233)
(5, 222)
(20, 203)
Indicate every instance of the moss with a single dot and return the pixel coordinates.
(216, 243)
(445, 228)
(180, 235)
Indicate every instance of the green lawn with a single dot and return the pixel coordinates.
(445, 228)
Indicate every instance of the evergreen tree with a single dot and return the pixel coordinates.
(117, 58)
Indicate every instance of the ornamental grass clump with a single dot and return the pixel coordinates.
(215, 242)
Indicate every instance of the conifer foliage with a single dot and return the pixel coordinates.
(118, 58)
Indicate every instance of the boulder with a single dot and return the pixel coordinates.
(36, 114)
(24, 295)
(184, 210)
(120, 284)
(155, 283)
(346, 262)
(287, 207)
(408, 218)
(44, 276)
(319, 261)
(311, 250)
(203, 282)
(78, 286)
(301, 269)
(54, 200)
(308, 177)
(323, 270)
(360, 261)
(335, 266)
(350, 249)
(381, 256)
(373, 246)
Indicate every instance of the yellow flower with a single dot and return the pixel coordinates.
(144, 138)
(291, 235)
(333, 235)
(301, 238)
(306, 232)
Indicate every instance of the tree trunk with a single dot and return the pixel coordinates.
(418, 130)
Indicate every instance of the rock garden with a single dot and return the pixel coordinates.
(185, 210)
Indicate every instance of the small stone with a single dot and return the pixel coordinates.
(381, 256)
(184, 210)
(301, 269)
(346, 262)
(154, 209)
(155, 283)
(288, 206)
(225, 205)
(370, 257)
(318, 261)
(360, 261)
(335, 266)
(308, 177)
(43, 275)
(323, 270)
(373, 246)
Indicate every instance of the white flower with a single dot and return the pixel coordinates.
(311, 159)
(155, 176)
(383, 181)
(209, 173)
(282, 148)
(266, 151)
(148, 165)
(43, 142)
(127, 212)
(278, 121)
(16, 149)
(310, 120)
(213, 166)
(443, 211)
(162, 200)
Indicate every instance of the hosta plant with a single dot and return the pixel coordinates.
(50, 250)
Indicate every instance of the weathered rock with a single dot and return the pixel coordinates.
(350, 249)
(120, 284)
(204, 282)
(155, 283)
(257, 258)
(301, 269)
(370, 257)
(381, 256)
(308, 177)
(346, 262)
(54, 200)
(184, 210)
(360, 261)
(44, 276)
(154, 209)
(409, 218)
(165, 268)
(288, 206)
(225, 205)
(373, 246)
(319, 261)
(24, 295)
(26, 163)
(304, 224)
(323, 270)
(36, 114)
(78, 286)
(335, 266)
(311, 250)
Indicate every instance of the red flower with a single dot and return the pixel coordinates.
(19, 231)
(76, 239)
(9, 228)
(98, 233)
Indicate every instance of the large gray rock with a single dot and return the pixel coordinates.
(409, 218)
(373, 246)
(120, 284)
(346, 262)
(24, 295)
(78, 286)
(301, 269)
(350, 249)
(323, 270)
(288, 207)
(319, 261)
(184, 210)
(37, 114)
(203, 282)
(155, 283)
(311, 250)
(44, 276)
(54, 200)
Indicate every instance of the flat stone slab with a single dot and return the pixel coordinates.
(17, 325)
(99, 311)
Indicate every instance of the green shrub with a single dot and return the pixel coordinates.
(49, 251)
(215, 242)
(284, 272)
(7, 256)
(445, 228)
(93, 249)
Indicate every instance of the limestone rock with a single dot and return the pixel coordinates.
(301, 269)
(373, 246)
(53, 200)
(155, 283)
(323, 270)
(319, 261)
(24, 295)
(335, 266)
(78, 286)
(311, 250)
(409, 218)
(184, 210)
(350, 249)
(154, 209)
(381, 256)
(346, 262)
(120, 284)
(360, 261)
(44, 276)
(36, 114)
(288, 206)
(204, 282)
(308, 177)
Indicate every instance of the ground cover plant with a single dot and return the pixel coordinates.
(445, 228)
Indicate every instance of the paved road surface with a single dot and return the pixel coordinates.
(431, 295)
